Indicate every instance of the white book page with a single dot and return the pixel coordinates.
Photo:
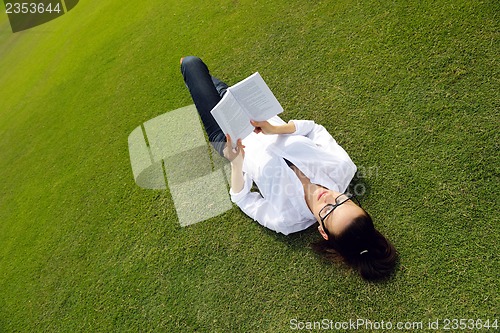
(256, 98)
(231, 118)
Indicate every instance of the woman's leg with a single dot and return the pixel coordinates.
(206, 92)
(220, 86)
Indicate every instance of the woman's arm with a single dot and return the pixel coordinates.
(236, 156)
(268, 128)
(237, 181)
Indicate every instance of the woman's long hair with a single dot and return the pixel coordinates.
(362, 247)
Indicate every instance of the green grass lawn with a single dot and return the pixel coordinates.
(409, 88)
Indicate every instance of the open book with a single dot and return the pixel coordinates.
(250, 99)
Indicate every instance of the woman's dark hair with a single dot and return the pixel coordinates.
(362, 247)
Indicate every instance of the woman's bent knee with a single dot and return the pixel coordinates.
(190, 61)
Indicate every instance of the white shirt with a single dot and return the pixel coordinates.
(281, 205)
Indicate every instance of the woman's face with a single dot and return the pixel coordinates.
(340, 217)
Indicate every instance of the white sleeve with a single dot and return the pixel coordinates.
(303, 127)
(258, 208)
(317, 133)
(345, 168)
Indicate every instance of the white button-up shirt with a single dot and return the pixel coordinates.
(280, 203)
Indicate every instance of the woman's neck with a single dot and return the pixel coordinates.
(309, 187)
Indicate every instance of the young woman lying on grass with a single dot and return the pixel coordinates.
(301, 173)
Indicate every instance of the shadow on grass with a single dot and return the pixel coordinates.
(359, 186)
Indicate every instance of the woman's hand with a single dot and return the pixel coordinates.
(234, 155)
(268, 128)
(263, 127)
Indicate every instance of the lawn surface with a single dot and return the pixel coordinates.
(409, 88)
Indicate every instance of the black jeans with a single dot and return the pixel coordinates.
(206, 92)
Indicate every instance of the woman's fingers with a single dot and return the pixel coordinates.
(262, 127)
(231, 153)
(256, 124)
(228, 149)
(240, 148)
(240, 145)
(239, 142)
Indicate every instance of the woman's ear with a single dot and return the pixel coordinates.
(322, 232)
